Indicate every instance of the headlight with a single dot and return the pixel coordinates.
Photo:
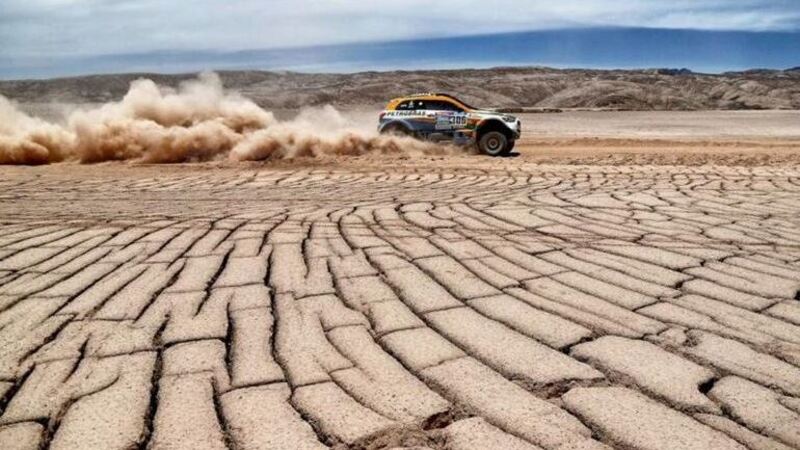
(510, 119)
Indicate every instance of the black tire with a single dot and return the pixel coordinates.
(395, 129)
(494, 143)
(511, 145)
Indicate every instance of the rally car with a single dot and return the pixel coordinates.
(442, 117)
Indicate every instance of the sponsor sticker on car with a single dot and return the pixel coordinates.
(450, 121)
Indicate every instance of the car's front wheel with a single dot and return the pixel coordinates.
(494, 143)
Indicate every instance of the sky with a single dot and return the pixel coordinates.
(53, 37)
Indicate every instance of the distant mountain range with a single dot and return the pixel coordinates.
(700, 51)
(511, 88)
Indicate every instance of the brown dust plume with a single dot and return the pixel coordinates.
(198, 121)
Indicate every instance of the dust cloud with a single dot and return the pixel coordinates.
(198, 121)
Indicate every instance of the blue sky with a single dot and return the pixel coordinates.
(62, 37)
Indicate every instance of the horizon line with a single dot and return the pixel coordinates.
(581, 47)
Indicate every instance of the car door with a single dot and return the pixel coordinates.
(449, 116)
(419, 117)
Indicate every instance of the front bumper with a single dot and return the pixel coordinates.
(516, 128)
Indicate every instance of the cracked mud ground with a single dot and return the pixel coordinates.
(553, 307)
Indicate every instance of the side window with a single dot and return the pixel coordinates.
(444, 106)
(428, 105)
(412, 105)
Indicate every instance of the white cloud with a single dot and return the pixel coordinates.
(51, 28)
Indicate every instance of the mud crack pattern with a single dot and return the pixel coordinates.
(589, 307)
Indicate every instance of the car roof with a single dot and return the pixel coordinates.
(428, 96)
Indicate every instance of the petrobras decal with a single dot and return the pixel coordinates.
(404, 113)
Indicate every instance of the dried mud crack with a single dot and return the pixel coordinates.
(544, 307)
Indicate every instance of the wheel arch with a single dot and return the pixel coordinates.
(396, 123)
(489, 125)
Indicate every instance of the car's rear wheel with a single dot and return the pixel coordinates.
(396, 130)
(494, 143)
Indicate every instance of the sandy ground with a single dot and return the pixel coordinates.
(740, 138)
(449, 302)
(686, 138)
(666, 124)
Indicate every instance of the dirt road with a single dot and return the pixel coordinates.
(502, 305)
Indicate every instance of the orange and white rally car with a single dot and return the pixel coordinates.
(442, 117)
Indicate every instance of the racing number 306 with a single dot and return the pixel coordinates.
(451, 121)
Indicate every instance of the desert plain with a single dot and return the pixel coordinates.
(625, 280)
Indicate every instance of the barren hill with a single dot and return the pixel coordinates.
(654, 89)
